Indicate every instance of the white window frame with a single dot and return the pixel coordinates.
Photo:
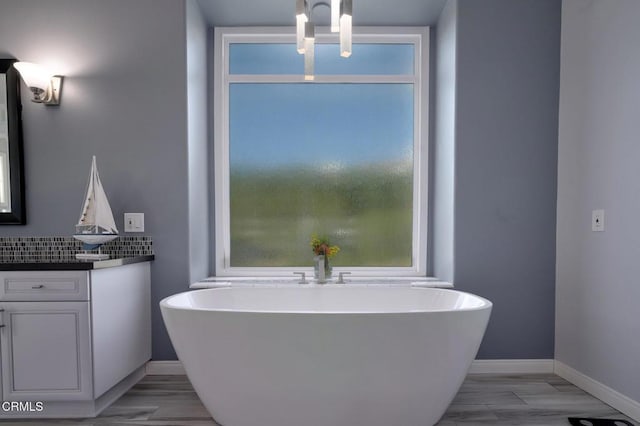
(223, 37)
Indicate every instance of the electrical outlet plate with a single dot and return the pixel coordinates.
(134, 222)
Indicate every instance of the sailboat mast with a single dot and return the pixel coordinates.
(87, 213)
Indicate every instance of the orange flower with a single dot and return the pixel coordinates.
(321, 246)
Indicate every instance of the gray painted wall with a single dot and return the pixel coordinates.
(125, 100)
(597, 326)
(238, 13)
(444, 146)
(507, 79)
(197, 99)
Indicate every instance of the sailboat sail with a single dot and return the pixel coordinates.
(95, 225)
(96, 216)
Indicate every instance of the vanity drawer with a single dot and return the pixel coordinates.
(44, 285)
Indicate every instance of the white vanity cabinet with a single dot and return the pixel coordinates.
(73, 340)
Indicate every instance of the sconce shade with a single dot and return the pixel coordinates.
(34, 75)
(44, 86)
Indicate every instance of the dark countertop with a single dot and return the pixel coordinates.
(69, 264)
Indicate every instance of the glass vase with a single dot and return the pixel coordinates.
(327, 268)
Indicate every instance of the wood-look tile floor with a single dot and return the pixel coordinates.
(487, 399)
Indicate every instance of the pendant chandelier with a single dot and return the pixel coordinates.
(341, 11)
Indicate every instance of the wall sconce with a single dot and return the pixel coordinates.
(44, 86)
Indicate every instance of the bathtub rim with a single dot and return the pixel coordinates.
(486, 304)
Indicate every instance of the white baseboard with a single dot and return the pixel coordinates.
(604, 393)
(511, 366)
(164, 368)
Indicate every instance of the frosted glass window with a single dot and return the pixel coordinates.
(328, 158)
(264, 58)
(367, 59)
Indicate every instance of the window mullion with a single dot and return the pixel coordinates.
(319, 79)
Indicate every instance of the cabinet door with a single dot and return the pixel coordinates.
(46, 351)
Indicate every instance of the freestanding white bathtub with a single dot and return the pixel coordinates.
(326, 355)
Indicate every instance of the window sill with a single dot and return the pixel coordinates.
(289, 281)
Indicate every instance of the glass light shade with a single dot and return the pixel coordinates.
(34, 75)
(309, 48)
(335, 16)
(345, 36)
(346, 13)
(300, 24)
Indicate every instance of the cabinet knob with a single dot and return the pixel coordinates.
(37, 286)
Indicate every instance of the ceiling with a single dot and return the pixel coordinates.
(229, 13)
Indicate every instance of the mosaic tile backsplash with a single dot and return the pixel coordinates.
(60, 249)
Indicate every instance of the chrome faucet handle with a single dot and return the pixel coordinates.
(341, 277)
(303, 279)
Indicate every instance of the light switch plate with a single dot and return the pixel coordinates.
(597, 220)
(134, 222)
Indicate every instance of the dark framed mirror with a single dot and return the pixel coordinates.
(12, 196)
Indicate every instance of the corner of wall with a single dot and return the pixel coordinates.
(197, 141)
(443, 158)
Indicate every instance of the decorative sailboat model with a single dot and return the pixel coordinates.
(96, 225)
